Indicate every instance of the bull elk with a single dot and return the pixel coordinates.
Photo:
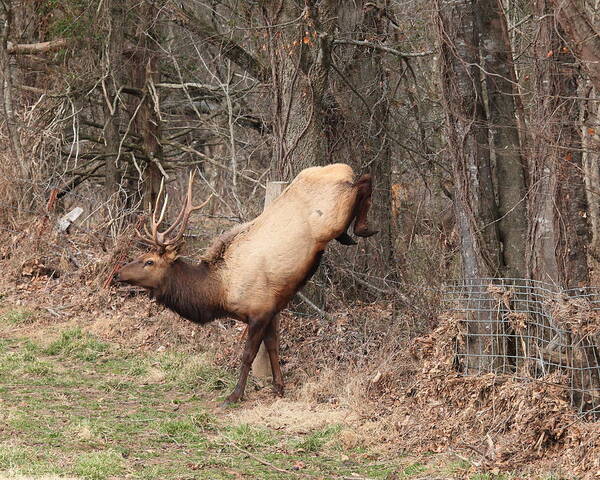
(251, 272)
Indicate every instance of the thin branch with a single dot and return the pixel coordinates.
(231, 443)
(262, 460)
(212, 161)
(226, 46)
(383, 48)
(320, 311)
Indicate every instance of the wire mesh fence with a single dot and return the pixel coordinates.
(530, 329)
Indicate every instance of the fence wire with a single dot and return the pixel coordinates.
(530, 329)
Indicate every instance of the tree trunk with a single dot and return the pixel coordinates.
(468, 139)
(591, 168)
(468, 146)
(112, 64)
(583, 39)
(147, 121)
(510, 172)
(6, 82)
(559, 234)
(581, 34)
(300, 64)
(362, 130)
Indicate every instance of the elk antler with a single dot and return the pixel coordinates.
(154, 238)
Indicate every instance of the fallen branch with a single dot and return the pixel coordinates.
(33, 48)
(262, 460)
(320, 311)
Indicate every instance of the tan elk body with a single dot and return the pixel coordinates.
(251, 272)
(274, 253)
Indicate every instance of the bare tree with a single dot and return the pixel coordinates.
(467, 135)
(144, 75)
(510, 172)
(300, 54)
(466, 130)
(559, 233)
(359, 121)
(114, 17)
(6, 87)
(582, 37)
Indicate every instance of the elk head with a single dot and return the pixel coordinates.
(149, 270)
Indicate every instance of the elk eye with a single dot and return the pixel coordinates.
(149, 263)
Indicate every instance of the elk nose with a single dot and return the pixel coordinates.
(117, 277)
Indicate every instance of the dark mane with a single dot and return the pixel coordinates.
(190, 291)
(217, 249)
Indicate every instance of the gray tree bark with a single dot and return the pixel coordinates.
(591, 168)
(300, 65)
(559, 233)
(476, 210)
(582, 38)
(500, 79)
(474, 202)
(147, 124)
(363, 97)
(112, 65)
(6, 87)
(580, 32)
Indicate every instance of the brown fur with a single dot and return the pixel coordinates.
(252, 271)
(189, 291)
(217, 248)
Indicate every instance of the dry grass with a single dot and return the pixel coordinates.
(4, 476)
(295, 416)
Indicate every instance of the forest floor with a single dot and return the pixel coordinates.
(73, 405)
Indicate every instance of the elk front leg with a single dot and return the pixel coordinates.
(271, 340)
(256, 330)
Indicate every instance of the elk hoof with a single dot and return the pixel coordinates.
(345, 239)
(230, 401)
(365, 232)
(278, 390)
(228, 404)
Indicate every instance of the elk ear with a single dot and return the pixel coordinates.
(170, 254)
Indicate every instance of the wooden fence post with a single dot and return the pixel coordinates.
(261, 367)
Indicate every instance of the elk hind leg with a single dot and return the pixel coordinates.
(255, 334)
(271, 340)
(361, 208)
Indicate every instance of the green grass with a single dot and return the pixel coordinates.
(17, 317)
(190, 371)
(250, 437)
(75, 343)
(315, 441)
(98, 465)
(414, 469)
(13, 456)
(80, 407)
